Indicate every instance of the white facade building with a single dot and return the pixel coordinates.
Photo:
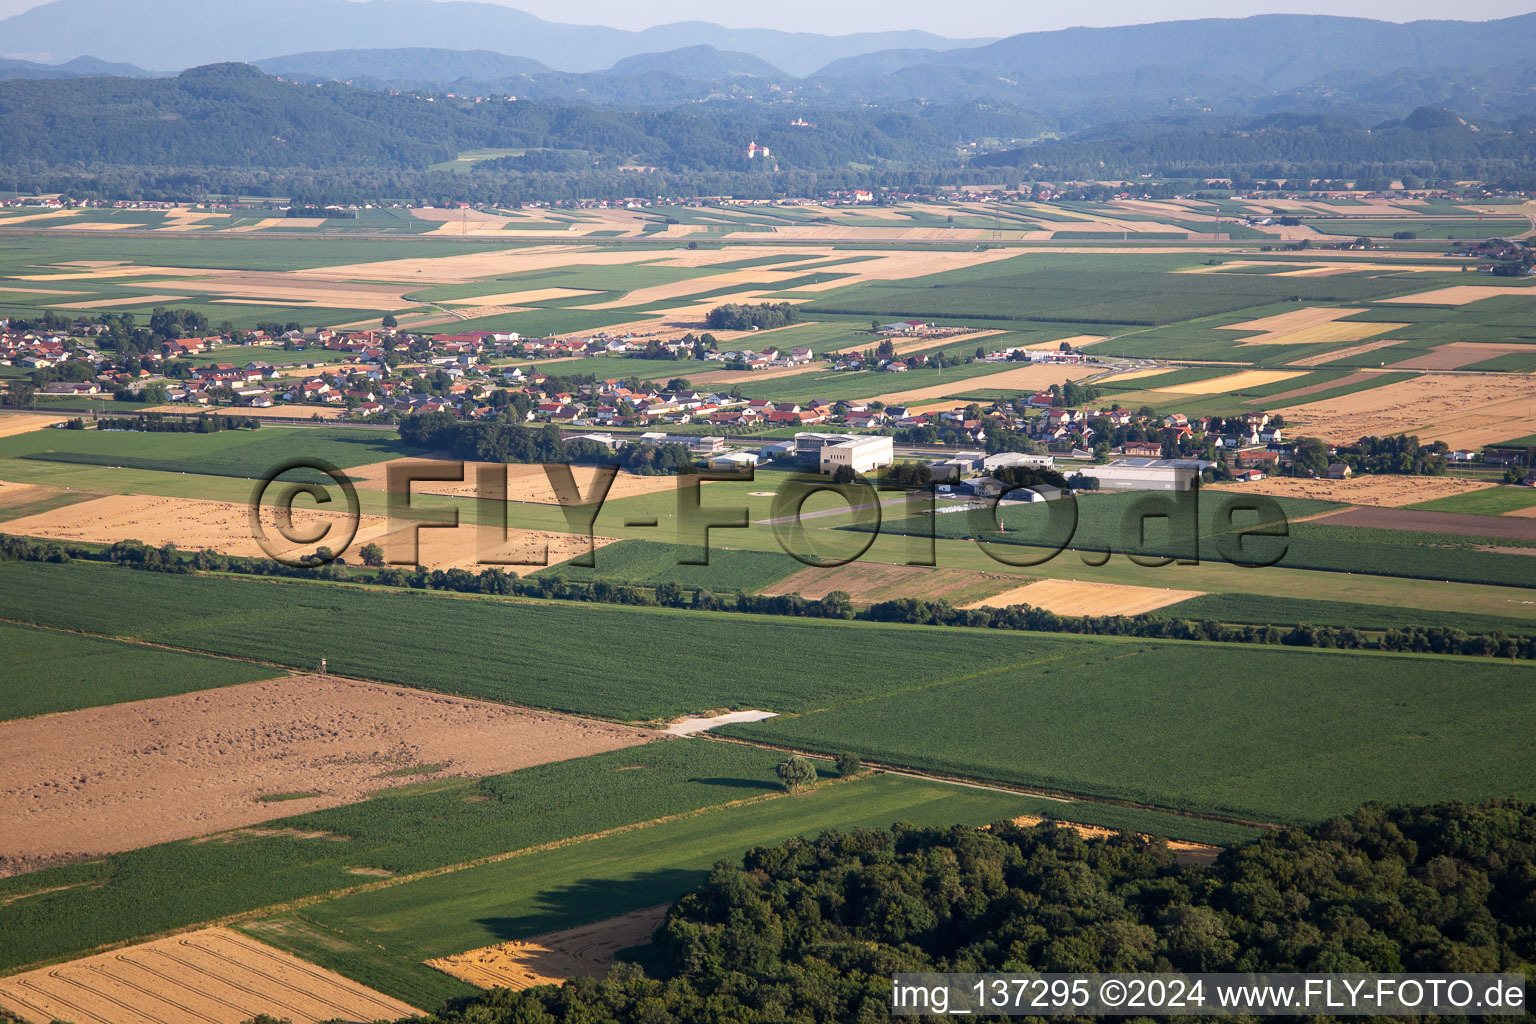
(864, 454)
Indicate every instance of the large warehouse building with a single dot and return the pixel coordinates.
(864, 452)
(1146, 474)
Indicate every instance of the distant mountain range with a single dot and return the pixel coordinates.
(173, 34)
(1279, 51)
(1072, 79)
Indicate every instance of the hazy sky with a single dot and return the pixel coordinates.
(977, 18)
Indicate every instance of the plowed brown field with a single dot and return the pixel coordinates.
(128, 775)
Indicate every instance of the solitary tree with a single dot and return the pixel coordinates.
(848, 764)
(389, 321)
(372, 555)
(796, 773)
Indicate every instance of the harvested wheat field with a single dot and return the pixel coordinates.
(471, 266)
(1119, 378)
(1072, 597)
(10, 426)
(716, 378)
(525, 483)
(132, 300)
(1462, 411)
(14, 495)
(1461, 294)
(1288, 323)
(549, 959)
(1232, 382)
(1458, 354)
(868, 582)
(752, 281)
(475, 547)
(1384, 491)
(290, 288)
(1338, 333)
(211, 976)
(188, 523)
(120, 777)
(24, 218)
(115, 270)
(225, 526)
(277, 412)
(1024, 379)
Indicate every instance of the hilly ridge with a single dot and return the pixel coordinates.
(170, 34)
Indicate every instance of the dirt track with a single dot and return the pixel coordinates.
(129, 775)
(213, 976)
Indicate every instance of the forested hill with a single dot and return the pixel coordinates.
(1430, 142)
(232, 115)
(229, 127)
(813, 930)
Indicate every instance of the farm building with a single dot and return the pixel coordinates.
(1146, 474)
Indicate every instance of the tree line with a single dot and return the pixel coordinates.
(504, 440)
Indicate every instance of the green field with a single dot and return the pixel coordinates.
(1128, 289)
(1290, 735)
(648, 663)
(239, 453)
(1264, 610)
(647, 563)
(1492, 501)
(60, 911)
(627, 663)
(47, 503)
(48, 671)
(386, 934)
(1102, 524)
(1493, 227)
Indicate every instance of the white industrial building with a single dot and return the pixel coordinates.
(1140, 474)
(1008, 460)
(864, 454)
